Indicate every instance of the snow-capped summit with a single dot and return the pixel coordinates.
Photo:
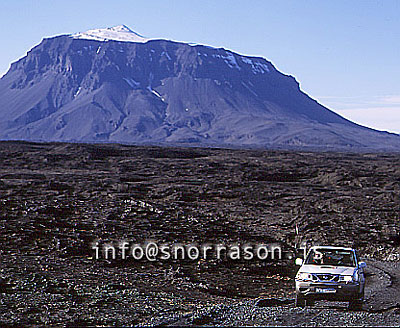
(116, 33)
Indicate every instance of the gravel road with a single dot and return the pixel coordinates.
(381, 308)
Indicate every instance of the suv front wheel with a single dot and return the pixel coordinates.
(299, 301)
(356, 304)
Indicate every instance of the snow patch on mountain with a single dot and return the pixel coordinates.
(257, 67)
(229, 59)
(155, 93)
(77, 92)
(116, 33)
(166, 55)
(132, 83)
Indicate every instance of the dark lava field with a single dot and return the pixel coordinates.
(56, 199)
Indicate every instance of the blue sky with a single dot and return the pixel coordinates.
(344, 53)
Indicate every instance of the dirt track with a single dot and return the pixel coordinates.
(56, 199)
(381, 307)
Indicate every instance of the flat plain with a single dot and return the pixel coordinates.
(56, 199)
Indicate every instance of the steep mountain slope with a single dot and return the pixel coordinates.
(113, 85)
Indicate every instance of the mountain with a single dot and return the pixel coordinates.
(114, 85)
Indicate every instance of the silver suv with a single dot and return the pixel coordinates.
(330, 273)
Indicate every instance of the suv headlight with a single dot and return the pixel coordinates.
(304, 276)
(354, 278)
(346, 278)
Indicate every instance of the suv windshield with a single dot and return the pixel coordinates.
(336, 257)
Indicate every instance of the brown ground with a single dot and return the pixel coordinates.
(56, 199)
